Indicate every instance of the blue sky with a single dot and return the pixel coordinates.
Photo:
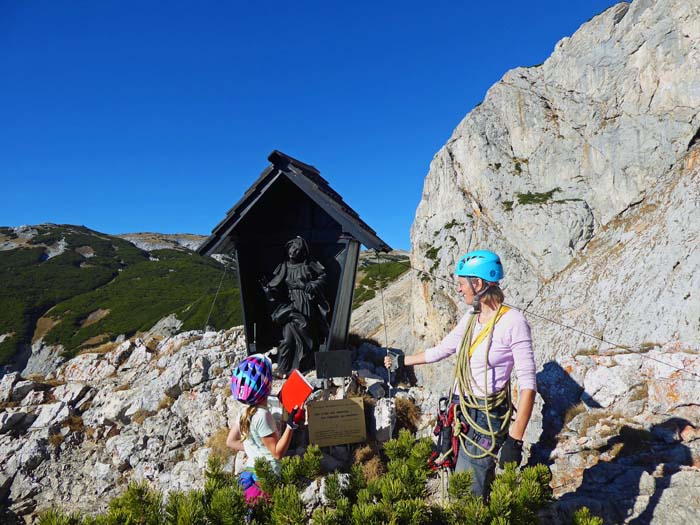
(133, 116)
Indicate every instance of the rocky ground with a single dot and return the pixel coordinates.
(151, 409)
(619, 431)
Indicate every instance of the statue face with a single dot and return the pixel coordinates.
(295, 250)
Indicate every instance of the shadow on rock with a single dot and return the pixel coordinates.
(634, 470)
(561, 394)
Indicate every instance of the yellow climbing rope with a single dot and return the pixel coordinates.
(468, 399)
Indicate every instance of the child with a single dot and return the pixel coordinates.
(255, 431)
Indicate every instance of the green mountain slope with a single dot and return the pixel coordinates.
(80, 288)
(66, 273)
(374, 274)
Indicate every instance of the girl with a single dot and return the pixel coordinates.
(490, 341)
(255, 432)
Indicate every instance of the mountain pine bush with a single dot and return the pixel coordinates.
(399, 497)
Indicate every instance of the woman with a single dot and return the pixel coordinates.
(255, 432)
(490, 341)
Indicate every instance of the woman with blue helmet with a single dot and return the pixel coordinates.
(490, 341)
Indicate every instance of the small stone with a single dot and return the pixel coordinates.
(10, 420)
(33, 398)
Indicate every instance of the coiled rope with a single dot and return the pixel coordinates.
(468, 399)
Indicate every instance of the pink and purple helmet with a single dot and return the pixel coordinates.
(252, 379)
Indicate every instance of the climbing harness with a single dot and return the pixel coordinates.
(442, 459)
(442, 456)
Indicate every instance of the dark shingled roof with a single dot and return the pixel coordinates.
(309, 180)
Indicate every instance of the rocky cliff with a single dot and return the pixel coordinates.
(583, 173)
(569, 163)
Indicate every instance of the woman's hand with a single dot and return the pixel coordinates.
(408, 360)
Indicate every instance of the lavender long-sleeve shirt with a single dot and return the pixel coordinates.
(511, 348)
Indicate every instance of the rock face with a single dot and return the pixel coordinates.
(583, 173)
(163, 241)
(555, 158)
(369, 318)
(151, 409)
(138, 412)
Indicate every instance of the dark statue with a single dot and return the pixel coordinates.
(299, 306)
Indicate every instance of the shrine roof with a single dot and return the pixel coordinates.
(308, 179)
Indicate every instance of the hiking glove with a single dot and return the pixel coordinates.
(511, 451)
(394, 361)
(296, 418)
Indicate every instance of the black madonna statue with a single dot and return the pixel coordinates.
(299, 306)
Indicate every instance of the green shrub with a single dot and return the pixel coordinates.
(287, 507)
(536, 198)
(216, 478)
(397, 497)
(185, 508)
(312, 462)
(356, 482)
(583, 516)
(369, 514)
(326, 516)
(460, 485)
(58, 517)
(292, 470)
(267, 477)
(139, 505)
(227, 506)
(333, 490)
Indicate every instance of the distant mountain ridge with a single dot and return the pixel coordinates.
(74, 287)
(149, 241)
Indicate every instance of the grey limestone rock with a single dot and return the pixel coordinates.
(554, 160)
(43, 359)
(7, 384)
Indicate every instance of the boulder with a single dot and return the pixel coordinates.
(70, 393)
(51, 415)
(87, 368)
(33, 398)
(139, 356)
(10, 420)
(43, 360)
(7, 384)
(384, 420)
(120, 354)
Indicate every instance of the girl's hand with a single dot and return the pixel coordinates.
(296, 417)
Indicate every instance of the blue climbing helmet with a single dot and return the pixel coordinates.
(251, 380)
(480, 263)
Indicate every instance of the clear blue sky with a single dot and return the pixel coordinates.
(133, 116)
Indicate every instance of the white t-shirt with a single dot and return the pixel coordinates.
(261, 425)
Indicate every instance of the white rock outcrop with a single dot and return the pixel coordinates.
(555, 158)
(583, 173)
